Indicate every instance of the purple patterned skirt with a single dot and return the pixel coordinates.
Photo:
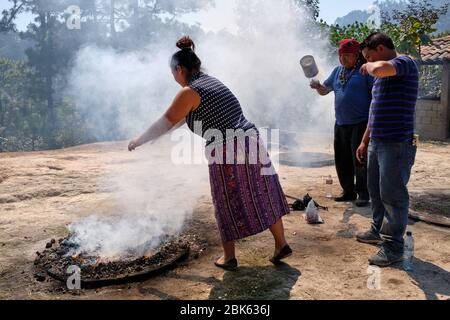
(246, 201)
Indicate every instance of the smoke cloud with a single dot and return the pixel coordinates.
(260, 64)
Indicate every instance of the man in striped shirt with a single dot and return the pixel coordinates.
(388, 145)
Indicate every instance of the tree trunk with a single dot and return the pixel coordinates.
(112, 21)
(136, 10)
(51, 124)
(2, 119)
(51, 112)
(2, 114)
(94, 13)
(33, 126)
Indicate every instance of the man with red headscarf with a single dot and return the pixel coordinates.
(352, 101)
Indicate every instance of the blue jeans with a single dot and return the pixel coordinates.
(388, 173)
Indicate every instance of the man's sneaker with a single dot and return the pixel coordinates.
(346, 197)
(385, 257)
(369, 237)
(362, 201)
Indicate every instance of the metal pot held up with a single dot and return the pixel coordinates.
(309, 66)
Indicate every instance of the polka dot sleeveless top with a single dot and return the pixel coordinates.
(219, 109)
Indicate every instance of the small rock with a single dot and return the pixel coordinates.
(48, 245)
(52, 241)
(38, 253)
(40, 277)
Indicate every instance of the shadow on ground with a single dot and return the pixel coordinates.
(430, 278)
(365, 212)
(349, 230)
(257, 283)
(246, 283)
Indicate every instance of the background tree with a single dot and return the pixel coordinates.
(8, 16)
(409, 29)
(21, 114)
(415, 25)
(311, 6)
(48, 57)
(44, 52)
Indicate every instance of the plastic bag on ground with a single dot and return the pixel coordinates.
(312, 215)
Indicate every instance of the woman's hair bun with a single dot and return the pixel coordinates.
(186, 43)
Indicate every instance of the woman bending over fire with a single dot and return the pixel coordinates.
(247, 195)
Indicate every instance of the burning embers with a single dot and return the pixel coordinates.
(57, 262)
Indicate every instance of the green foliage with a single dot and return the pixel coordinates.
(409, 29)
(430, 82)
(312, 6)
(415, 25)
(12, 46)
(20, 116)
(34, 113)
(8, 16)
(24, 113)
(357, 30)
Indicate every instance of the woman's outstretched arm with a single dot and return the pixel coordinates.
(185, 101)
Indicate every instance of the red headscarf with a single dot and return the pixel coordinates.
(349, 46)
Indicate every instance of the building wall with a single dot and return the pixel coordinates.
(431, 120)
(433, 116)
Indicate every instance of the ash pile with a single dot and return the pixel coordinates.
(57, 262)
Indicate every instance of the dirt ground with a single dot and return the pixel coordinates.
(42, 192)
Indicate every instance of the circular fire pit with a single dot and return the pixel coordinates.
(306, 159)
(94, 272)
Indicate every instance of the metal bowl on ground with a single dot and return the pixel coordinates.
(306, 159)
